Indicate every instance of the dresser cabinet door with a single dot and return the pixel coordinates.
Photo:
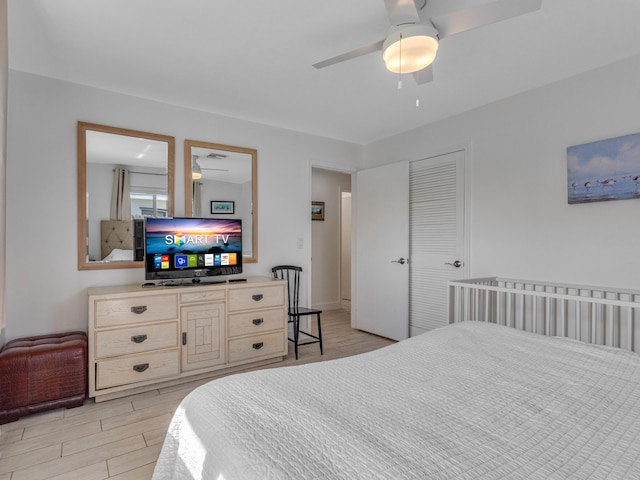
(203, 336)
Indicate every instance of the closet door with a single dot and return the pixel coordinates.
(437, 237)
(381, 248)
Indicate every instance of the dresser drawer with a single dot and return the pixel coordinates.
(202, 296)
(141, 338)
(256, 322)
(142, 309)
(137, 368)
(257, 346)
(258, 297)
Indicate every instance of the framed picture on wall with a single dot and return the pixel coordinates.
(222, 206)
(604, 170)
(317, 211)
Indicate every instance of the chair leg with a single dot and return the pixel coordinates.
(320, 334)
(296, 334)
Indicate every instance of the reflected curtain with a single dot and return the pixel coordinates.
(120, 195)
(197, 200)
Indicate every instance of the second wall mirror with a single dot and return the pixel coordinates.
(222, 181)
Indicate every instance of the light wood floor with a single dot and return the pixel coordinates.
(121, 439)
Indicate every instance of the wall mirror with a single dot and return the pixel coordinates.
(123, 176)
(222, 181)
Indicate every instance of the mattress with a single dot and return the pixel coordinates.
(467, 401)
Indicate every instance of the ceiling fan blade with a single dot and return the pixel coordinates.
(358, 52)
(401, 11)
(424, 76)
(449, 22)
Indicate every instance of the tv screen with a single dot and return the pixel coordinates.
(192, 247)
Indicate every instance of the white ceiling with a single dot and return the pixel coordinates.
(116, 149)
(252, 59)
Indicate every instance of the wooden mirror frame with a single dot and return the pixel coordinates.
(83, 127)
(188, 145)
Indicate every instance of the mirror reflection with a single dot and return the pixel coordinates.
(221, 181)
(123, 177)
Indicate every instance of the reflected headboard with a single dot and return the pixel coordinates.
(115, 234)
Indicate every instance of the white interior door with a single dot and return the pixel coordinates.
(437, 237)
(381, 238)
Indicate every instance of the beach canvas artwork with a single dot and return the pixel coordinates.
(604, 170)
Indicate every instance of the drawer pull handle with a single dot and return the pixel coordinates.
(140, 367)
(139, 309)
(257, 297)
(139, 338)
(257, 321)
(258, 345)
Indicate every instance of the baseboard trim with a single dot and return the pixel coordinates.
(327, 306)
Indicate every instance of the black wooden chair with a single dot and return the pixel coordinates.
(291, 274)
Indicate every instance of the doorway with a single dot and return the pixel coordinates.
(331, 240)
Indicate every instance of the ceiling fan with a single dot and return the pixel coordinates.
(417, 26)
(196, 169)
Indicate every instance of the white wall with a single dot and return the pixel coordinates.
(235, 192)
(522, 225)
(45, 291)
(4, 69)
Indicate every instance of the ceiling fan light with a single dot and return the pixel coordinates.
(196, 171)
(409, 48)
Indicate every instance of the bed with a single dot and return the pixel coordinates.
(477, 399)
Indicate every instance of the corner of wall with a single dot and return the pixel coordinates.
(4, 72)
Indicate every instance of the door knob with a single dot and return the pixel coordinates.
(456, 264)
(401, 261)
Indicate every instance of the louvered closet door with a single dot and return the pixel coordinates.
(436, 237)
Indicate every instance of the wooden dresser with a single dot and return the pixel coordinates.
(142, 338)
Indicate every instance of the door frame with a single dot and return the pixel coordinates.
(349, 170)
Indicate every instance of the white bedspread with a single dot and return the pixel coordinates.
(467, 401)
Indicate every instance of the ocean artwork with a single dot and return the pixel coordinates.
(604, 170)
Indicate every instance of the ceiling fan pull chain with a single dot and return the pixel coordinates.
(418, 89)
(400, 68)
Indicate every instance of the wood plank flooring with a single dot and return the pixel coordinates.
(121, 439)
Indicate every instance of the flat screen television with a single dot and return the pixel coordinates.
(192, 248)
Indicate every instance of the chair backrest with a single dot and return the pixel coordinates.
(291, 274)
